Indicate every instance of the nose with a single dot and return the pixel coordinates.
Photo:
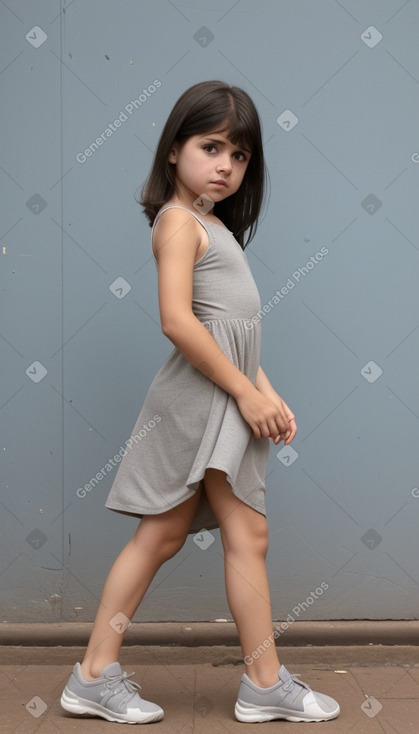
(224, 163)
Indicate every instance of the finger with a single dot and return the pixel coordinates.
(276, 429)
(256, 431)
(269, 430)
(281, 426)
(291, 435)
(288, 410)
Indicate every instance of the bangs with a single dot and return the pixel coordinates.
(238, 129)
(223, 114)
(241, 130)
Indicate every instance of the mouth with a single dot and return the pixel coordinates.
(220, 182)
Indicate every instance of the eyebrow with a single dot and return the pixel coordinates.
(222, 142)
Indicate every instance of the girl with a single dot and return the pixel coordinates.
(208, 416)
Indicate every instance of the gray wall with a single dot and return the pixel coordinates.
(341, 345)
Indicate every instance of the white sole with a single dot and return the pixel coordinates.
(252, 714)
(76, 705)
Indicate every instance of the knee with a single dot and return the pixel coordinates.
(263, 540)
(170, 545)
(260, 538)
(165, 545)
(253, 538)
(159, 541)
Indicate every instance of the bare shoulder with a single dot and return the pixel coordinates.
(179, 229)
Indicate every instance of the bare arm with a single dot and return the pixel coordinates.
(177, 236)
(263, 384)
(176, 240)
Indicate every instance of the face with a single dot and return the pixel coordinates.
(208, 164)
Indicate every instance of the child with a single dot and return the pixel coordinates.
(209, 413)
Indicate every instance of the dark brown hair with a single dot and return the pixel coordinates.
(200, 109)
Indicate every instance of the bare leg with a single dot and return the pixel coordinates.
(157, 538)
(244, 536)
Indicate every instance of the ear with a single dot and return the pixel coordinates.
(173, 152)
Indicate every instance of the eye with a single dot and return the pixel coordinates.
(241, 156)
(209, 145)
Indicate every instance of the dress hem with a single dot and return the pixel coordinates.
(227, 472)
(140, 512)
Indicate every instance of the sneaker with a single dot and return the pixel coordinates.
(112, 696)
(290, 699)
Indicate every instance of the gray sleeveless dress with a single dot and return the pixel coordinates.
(187, 423)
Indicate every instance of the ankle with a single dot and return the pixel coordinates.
(91, 670)
(264, 678)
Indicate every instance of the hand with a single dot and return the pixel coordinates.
(289, 435)
(266, 417)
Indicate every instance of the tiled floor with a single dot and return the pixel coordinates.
(377, 688)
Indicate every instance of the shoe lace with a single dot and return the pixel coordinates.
(121, 684)
(295, 678)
